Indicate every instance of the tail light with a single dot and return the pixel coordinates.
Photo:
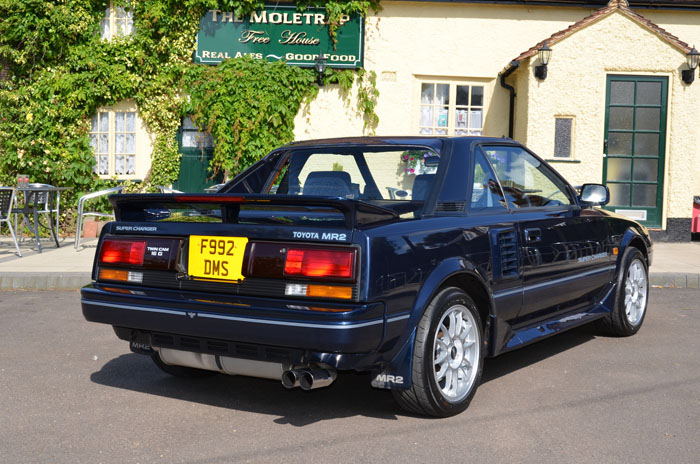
(320, 263)
(122, 252)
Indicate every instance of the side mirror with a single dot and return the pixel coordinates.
(594, 195)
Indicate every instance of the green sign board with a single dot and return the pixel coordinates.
(280, 33)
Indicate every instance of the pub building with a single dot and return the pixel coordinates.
(604, 91)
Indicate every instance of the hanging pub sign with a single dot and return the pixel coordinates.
(280, 33)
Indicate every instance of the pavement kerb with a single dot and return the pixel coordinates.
(76, 280)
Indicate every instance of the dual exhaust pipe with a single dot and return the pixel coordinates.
(308, 378)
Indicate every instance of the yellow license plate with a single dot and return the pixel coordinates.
(218, 258)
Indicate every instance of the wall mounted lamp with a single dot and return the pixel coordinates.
(544, 54)
(320, 67)
(693, 57)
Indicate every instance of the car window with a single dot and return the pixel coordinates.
(379, 175)
(526, 181)
(486, 193)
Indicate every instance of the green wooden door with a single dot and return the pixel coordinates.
(635, 146)
(196, 149)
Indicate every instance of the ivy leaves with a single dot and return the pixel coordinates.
(247, 105)
(61, 72)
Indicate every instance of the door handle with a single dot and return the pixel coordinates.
(533, 235)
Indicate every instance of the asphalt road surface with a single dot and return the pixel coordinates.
(71, 392)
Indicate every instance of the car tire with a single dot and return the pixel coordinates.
(446, 367)
(632, 296)
(180, 371)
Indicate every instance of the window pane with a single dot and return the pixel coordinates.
(622, 93)
(104, 122)
(104, 143)
(619, 143)
(93, 123)
(119, 165)
(621, 118)
(486, 193)
(131, 164)
(189, 139)
(648, 118)
(119, 122)
(130, 143)
(475, 119)
(93, 142)
(619, 169)
(562, 137)
(477, 95)
(619, 194)
(461, 117)
(462, 95)
(526, 182)
(645, 169)
(644, 195)
(205, 140)
(119, 143)
(426, 115)
(646, 145)
(442, 117)
(427, 94)
(443, 94)
(188, 124)
(131, 121)
(104, 165)
(648, 93)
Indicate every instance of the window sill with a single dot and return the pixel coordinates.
(562, 160)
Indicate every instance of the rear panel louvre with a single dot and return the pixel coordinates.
(505, 254)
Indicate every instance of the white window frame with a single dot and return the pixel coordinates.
(112, 114)
(117, 16)
(451, 128)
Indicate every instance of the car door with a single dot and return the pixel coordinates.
(566, 260)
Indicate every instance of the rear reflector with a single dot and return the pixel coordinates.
(329, 291)
(122, 252)
(310, 262)
(121, 275)
(319, 291)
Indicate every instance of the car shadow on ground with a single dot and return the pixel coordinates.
(504, 364)
(350, 395)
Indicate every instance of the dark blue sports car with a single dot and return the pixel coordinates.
(410, 258)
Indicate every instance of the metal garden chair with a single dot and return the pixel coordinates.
(7, 200)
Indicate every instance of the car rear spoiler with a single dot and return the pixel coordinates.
(141, 207)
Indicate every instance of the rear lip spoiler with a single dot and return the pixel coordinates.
(356, 212)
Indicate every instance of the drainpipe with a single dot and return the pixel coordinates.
(511, 111)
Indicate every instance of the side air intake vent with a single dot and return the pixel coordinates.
(450, 207)
(505, 258)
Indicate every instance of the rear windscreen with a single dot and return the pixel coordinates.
(379, 176)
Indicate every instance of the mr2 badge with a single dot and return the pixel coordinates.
(327, 236)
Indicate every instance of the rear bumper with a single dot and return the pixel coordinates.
(288, 324)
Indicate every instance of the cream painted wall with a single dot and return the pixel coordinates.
(468, 42)
(408, 41)
(686, 26)
(576, 86)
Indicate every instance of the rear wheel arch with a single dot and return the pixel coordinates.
(476, 289)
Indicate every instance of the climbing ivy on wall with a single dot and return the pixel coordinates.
(56, 71)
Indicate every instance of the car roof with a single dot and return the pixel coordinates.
(433, 142)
